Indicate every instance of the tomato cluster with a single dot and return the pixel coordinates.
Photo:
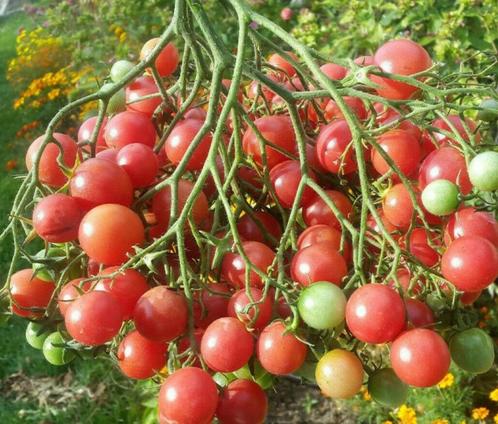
(240, 290)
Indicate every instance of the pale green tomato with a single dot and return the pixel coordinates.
(54, 353)
(117, 103)
(387, 389)
(489, 110)
(119, 69)
(440, 197)
(483, 171)
(36, 335)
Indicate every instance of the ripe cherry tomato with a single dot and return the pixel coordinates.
(318, 262)
(110, 155)
(56, 218)
(184, 344)
(226, 345)
(167, 60)
(375, 313)
(257, 228)
(279, 351)
(130, 127)
(468, 298)
(473, 350)
(108, 233)
(419, 247)
(233, 266)
(420, 357)
(140, 163)
(279, 62)
(258, 314)
(210, 304)
(404, 280)
(242, 402)
(93, 318)
(188, 396)
(470, 222)
(398, 206)
(386, 388)
(418, 313)
(356, 105)
(470, 263)
(285, 178)
(29, 294)
(339, 374)
(334, 71)
(373, 226)
(401, 57)
(334, 148)
(364, 60)
(275, 129)
(456, 122)
(49, 171)
(141, 87)
(318, 212)
(71, 291)
(402, 148)
(180, 140)
(404, 125)
(139, 357)
(86, 130)
(161, 314)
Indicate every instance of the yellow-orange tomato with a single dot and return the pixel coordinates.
(339, 374)
(167, 60)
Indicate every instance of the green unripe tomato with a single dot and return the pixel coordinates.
(472, 350)
(440, 197)
(489, 110)
(387, 389)
(483, 171)
(119, 69)
(36, 335)
(54, 354)
(117, 102)
(322, 305)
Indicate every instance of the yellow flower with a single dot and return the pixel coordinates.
(494, 395)
(495, 418)
(122, 37)
(406, 415)
(441, 421)
(388, 422)
(480, 413)
(447, 381)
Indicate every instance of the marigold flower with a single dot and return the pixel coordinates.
(447, 381)
(441, 421)
(406, 415)
(10, 165)
(480, 413)
(494, 395)
(495, 419)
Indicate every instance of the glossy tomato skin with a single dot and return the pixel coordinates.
(279, 62)
(130, 127)
(276, 129)
(334, 71)
(94, 318)
(167, 60)
(108, 233)
(188, 396)
(233, 266)
(398, 206)
(140, 163)
(334, 148)
(420, 357)
(127, 288)
(49, 171)
(181, 138)
(86, 130)
(280, 352)
(249, 229)
(401, 57)
(339, 374)
(242, 402)
(456, 122)
(161, 314)
(318, 262)
(317, 212)
(470, 222)
(56, 218)
(210, 304)
(419, 247)
(355, 104)
(141, 87)
(418, 314)
(375, 313)
(28, 291)
(285, 178)
(97, 181)
(108, 154)
(323, 233)
(470, 263)
(262, 309)
(140, 358)
(70, 292)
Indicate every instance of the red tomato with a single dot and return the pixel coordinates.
(398, 206)
(334, 148)
(257, 228)
(141, 87)
(49, 171)
(110, 155)
(318, 212)
(184, 344)
(108, 233)
(167, 60)
(404, 125)
(402, 148)
(140, 163)
(399, 57)
(418, 313)
(445, 163)
(318, 262)
(323, 233)
(56, 218)
(180, 140)
(86, 130)
(210, 304)
(279, 351)
(130, 127)
(98, 181)
(470, 222)
(252, 90)
(285, 178)
(93, 318)
(242, 402)
(140, 358)
(258, 314)
(195, 113)
(375, 313)
(470, 263)
(364, 60)
(161, 314)
(226, 345)
(419, 247)
(404, 280)
(70, 292)
(420, 357)
(372, 223)
(468, 298)
(356, 105)
(456, 122)
(334, 71)
(275, 129)
(126, 288)
(279, 62)
(29, 294)
(233, 267)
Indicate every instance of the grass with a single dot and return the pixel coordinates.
(86, 391)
